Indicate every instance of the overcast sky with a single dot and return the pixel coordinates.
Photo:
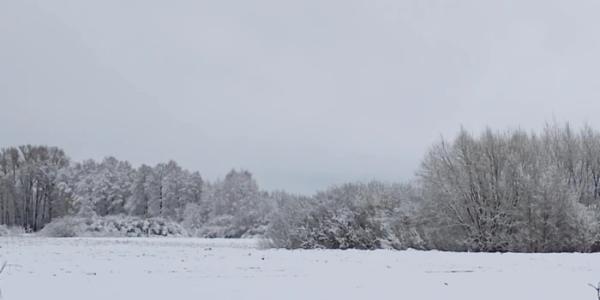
(304, 94)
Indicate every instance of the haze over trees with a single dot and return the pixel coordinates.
(495, 191)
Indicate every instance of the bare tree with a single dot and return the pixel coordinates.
(596, 288)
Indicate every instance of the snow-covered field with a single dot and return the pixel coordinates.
(163, 268)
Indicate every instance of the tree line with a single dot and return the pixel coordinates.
(497, 191)
(40, 183)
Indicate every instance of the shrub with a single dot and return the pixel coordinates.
(112, 226)
(220, 227)
(11, 231)
(63, 227)
(324, 223)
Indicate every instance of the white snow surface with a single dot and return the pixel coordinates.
(186, 268)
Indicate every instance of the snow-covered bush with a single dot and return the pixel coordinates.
(362, 216)
(287, 228)
(64, 227)
(11, 231)
(220, 227)
(349, 216)
(133, 227)
(230, 208)
(113, 226)
(402, 233)
(224, 226)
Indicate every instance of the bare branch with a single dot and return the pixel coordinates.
(597, 288)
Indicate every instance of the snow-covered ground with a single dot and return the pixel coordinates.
(163, 268)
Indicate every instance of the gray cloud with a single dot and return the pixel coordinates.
(302, 93)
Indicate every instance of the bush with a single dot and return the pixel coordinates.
(63, 227)
(359, 216)
(112, 226)
(11, 231)
(133, 227)
(220, 227)
(332, 223)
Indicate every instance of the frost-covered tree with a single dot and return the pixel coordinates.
(232, 207)
(497, 191)
(513, 191)
(105, 186)
(155, 189)
(164, 191)
(139, 202)
(29, 191)
(114, 183)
